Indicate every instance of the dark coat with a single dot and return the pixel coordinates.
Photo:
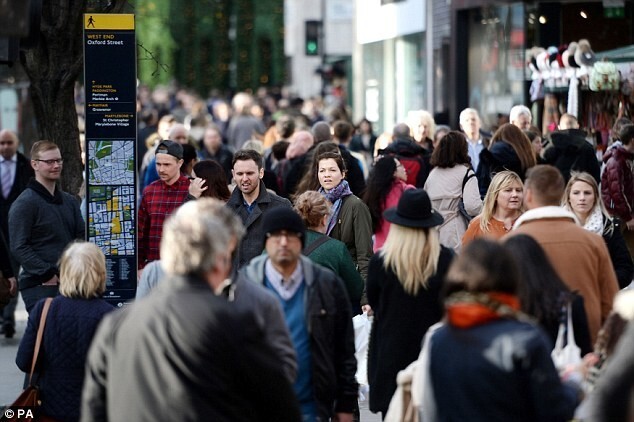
(70, 327)
(223, 156)
(571, 152)
(619, 254)
(579, 325)
(400, 322)
(41, 225)
(24, 172)
(252, 243)
(501, 156)
(617, 183)
(187, 352)
(329, 324)
(499, 371)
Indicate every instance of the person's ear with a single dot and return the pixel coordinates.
(262, 172)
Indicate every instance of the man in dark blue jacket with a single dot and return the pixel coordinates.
(42, 222)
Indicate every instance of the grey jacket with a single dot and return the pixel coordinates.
(247, 296)
(187, 352)
(41, 225)
(329, 324)
(252, 243)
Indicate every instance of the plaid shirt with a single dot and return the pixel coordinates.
(159, 201)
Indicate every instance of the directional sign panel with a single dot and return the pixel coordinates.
(110, 77)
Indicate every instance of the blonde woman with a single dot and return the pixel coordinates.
(582, 197)
(70, 325)
(403, 289)
(502, 206)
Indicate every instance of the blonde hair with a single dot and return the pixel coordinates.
(82, 271)
(500, 181)
(598, 202)
(40, 147)
(416, 117)
(412, 254)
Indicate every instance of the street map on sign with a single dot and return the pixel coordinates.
(111, 162)
(111, 203)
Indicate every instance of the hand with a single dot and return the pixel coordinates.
(197, 187)
(343, 417)
(54, 281)
(630, 225)
(13, 286)
(367, 309)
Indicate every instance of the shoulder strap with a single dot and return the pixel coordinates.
(40, 334)
(466, 177)
(317, 243)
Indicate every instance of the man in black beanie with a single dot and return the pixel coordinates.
(317, 312)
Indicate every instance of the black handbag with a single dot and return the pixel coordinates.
(463, 212)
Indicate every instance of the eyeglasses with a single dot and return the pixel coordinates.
(277, 236)
(51, 162)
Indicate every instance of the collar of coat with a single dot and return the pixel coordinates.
(542, 213)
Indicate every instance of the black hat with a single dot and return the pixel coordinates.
(170, 147)
(283, 218)
(414, 210)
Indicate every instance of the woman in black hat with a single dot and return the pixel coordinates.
(403, 289)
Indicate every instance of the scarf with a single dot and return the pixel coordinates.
(594, 222)
(336, 196)
(466, 310)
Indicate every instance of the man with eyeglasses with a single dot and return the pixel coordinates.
(43, 220)
(317, 312)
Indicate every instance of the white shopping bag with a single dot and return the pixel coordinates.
(362, 326)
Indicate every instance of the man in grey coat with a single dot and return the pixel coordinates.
(185, 353)
(251, 201)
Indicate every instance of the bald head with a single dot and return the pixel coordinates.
(8, 144)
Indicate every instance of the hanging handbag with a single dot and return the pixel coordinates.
(29, 398)
(570, 354)
(461, 209)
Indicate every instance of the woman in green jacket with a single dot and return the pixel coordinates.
(350, 220)
(314, 209)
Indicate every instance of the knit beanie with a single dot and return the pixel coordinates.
(283, 218)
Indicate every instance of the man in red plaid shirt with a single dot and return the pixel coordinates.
(160, 199)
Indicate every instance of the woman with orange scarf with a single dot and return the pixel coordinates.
(489, 361)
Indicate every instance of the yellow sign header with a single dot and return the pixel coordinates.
(104, 21)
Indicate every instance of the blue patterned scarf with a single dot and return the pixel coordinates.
(335, 196)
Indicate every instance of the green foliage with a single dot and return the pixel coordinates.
(191, 37)
(152, 32)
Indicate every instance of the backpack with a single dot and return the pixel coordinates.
(413, 157)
